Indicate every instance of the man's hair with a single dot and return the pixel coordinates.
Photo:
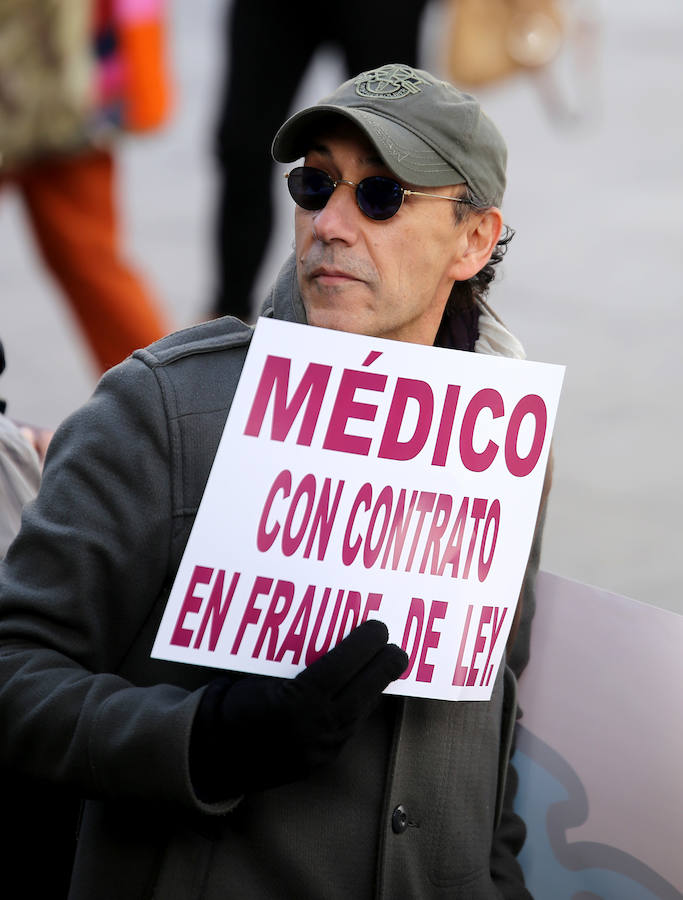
(465, 294)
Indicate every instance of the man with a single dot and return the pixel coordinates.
(211, 785)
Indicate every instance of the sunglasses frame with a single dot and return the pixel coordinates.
(335, 182)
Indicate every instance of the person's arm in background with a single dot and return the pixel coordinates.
(54, 830)
(20, 465)
(19, 479)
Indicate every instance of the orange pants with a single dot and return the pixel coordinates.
(72, 206)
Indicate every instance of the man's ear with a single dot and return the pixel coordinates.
(481, 234)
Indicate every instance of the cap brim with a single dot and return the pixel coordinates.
(404, 153)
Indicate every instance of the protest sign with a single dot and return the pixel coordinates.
(361, 478)
(600, 745)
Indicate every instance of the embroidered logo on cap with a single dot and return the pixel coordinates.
(389, 83)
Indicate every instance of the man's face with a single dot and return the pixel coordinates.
(386, 279)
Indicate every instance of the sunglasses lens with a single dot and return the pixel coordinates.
(309, 188)
(379, 197)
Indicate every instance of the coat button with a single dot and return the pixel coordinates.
(399, 820)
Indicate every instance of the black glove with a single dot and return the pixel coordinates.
(259, 732)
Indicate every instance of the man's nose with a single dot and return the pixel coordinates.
(339, 218)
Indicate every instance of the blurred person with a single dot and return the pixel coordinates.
(37, 814)
(20, 466)
(73, 75)
(210, 785)
(269, 47)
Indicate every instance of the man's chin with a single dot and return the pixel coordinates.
(335, 322)
(334, 317)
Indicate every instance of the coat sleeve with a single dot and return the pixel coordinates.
(508, 841)
(510, 834)
(77, 586)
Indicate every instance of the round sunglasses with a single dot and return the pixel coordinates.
(377, 197)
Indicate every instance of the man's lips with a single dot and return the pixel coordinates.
(328, 275)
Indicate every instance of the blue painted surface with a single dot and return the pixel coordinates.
(551, 799)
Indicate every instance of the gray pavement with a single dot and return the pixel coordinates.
(592, 280)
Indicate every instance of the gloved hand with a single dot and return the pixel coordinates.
(259, 731)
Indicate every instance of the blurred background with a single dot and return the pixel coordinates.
(593, 279)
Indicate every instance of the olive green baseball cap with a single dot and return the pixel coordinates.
(426, 131)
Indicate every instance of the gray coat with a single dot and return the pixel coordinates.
(409, 808)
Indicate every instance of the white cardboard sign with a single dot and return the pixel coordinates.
(358, 478)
